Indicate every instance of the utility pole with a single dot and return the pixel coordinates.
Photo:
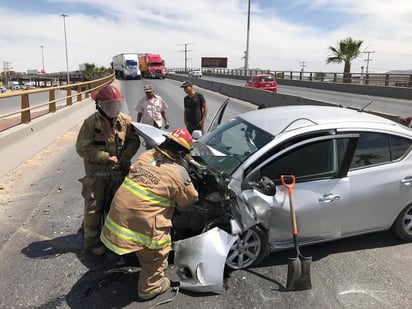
(247, 37)
(42, 58)
(302, 65)
(368, 60)
(185, 51)
(65, 44)
(7, 69)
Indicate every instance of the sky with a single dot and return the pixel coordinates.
(283, 33)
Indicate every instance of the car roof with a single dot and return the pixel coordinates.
(280, 119)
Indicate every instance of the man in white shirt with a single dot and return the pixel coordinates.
(152, 108)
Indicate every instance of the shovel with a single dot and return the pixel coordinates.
(299, 267)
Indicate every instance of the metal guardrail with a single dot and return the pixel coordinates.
(83, 90)
(373, 79)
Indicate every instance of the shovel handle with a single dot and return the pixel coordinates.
(289, 186)
(288, 181)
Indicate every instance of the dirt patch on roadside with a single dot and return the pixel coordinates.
(8, 181)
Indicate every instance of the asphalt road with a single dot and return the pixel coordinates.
(380, 104)
(42, 266)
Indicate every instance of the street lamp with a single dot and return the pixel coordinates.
(65, 44)
(42, 58)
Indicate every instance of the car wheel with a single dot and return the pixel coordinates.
(250, 249)
(403, 224)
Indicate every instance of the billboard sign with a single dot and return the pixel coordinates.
(214, 62)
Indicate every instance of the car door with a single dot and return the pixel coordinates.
(380, 178)
(321, 192)
(218, 116)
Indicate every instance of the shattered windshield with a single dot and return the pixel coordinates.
(228, 146)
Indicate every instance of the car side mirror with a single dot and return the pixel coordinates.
(266, 186)
(196, 134)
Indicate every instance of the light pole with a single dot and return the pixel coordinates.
(42, 58)
(65, 44)
(247, 37)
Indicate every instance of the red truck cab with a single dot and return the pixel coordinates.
(152, 66)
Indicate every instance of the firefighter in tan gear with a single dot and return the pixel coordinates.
(107, 141)
(140, 216)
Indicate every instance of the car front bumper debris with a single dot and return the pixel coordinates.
(200, 260)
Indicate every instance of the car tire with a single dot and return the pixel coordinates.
(402, 227)
(249, 250)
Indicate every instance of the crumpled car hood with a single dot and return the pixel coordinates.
(152, 136)
(201, 260)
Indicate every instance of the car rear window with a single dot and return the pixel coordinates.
(266, 79)
(379, 148)
(399, 146)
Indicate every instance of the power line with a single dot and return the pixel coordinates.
(185, 51)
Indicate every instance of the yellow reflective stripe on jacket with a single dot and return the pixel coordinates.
(127, 234)
(112, 247)
(146, 194)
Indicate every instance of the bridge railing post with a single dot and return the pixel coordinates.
(69, 100)
(79, 93)
(86, 89)
(52, 98)
(387, 80)
(25, 115)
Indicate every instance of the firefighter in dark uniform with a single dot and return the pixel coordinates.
(107, 141)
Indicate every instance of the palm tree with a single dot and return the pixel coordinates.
(346, 50)
(91, 71)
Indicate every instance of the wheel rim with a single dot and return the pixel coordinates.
(245, 250)
(407, 221)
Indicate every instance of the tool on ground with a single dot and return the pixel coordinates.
(299, 277)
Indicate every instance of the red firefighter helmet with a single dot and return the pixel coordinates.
(109, 100)
(107, 93)
(182, 137)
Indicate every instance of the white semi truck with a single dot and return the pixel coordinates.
(126, 66)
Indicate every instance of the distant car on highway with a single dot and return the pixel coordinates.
(170, 72)
(29, 86)
(353, 175)
(263, 81)
(195, 73)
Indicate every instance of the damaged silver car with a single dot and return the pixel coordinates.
(353, 176)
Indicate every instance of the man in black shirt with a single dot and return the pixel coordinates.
(195, 108)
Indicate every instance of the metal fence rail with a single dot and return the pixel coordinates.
(373, 79)
(82, 90)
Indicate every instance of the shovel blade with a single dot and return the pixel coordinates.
(299, 277)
